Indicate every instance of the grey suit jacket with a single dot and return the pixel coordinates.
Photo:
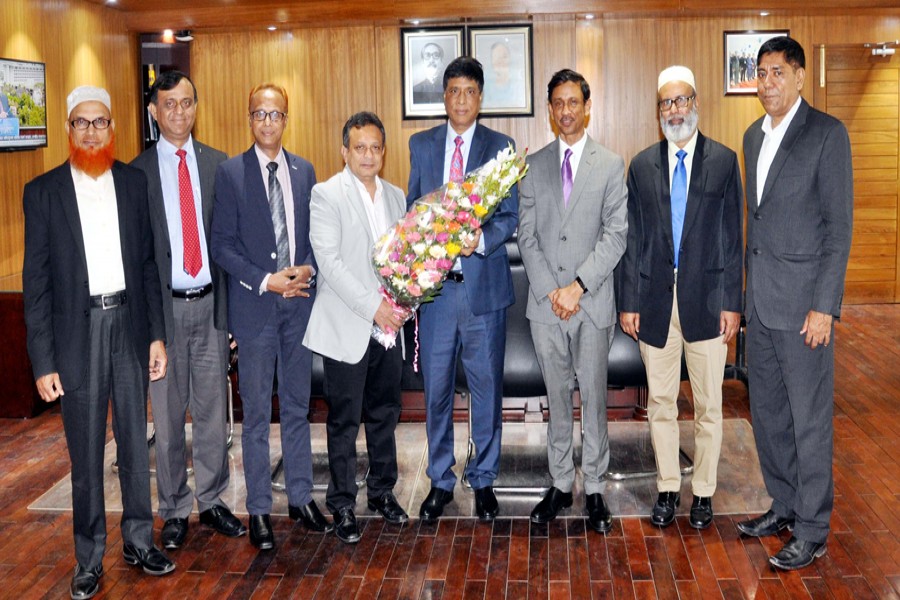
(207, 161)
(341, 321)
(798, 236)
(585, 239)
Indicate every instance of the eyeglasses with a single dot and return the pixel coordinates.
(275, 116)
(362, 149)
(186, 103)
(81, 124)
(679, 102)
(468, 92)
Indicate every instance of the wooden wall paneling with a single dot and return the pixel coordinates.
(20, 37)
(387, 88)
(80, 43)
(865, 92)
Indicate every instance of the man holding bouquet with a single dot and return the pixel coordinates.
(469, 316)
(348, 214)
(572, 233)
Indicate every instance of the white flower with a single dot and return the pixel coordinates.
(419, 248)
(398, 283)
(437, 252)
(425, 280)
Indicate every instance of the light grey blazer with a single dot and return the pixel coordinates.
(585, 239)
(347, 298)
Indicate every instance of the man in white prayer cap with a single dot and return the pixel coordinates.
(95, 331)
(680, 285)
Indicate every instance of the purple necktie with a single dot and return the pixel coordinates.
(566, 172)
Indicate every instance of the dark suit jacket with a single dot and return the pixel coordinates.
(798, 238)
(710, 274)
(488, 280)
(243, 237)
(55, 275)
(207, 161)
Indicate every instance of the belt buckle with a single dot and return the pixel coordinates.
(108, 301)
(192, 294)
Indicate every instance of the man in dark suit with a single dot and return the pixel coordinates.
(681, 285)
(469, 316)
(181, 175)
(572, 228)
(799, 227)
(93, 313)
(260, 237)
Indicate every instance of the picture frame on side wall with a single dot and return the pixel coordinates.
(505, 52)
(740, 49)
(424, 54)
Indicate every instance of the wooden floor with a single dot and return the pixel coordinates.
(511, 559)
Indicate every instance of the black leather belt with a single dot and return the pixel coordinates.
(106, 301)
(456, 276)
(193, 293)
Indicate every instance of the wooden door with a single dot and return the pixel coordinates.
(863, 91)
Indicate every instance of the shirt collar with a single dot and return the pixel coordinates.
(264, 160)
(467, 136)
(166, 148)
(361, 186)
(689, 147)
(785, 122)
(576, 148)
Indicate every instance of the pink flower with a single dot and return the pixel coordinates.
(474, 198)
(413, 236)
(394, 256)
(443, 237)
(414, 289)
(445, 264)
(385, 271)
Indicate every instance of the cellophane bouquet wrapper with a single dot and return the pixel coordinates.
(412, 259)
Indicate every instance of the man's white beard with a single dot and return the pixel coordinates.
(680, 133)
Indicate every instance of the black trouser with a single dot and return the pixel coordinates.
(367, 391)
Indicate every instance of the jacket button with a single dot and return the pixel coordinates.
(670, 288)
(274, 256)
(85, 284)
(671, 263)
(756, 251)
(168, 255)
(168, 286)
(563, 238)
(757, 216)
(561, 269)
(87, 313)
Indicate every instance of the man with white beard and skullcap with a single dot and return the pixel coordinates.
(680, 285)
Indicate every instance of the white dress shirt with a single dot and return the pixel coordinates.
(690, 147)
(99, 215)
(374, 207)
(770, 145)
(577, 150)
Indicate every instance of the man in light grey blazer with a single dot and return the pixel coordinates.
(572, 231)
(181, 176)
(348, 214)
(799, 227)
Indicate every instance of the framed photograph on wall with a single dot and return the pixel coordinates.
(740, 58)
(506, 54)
(424, 54)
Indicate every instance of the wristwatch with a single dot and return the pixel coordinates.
(581, 283)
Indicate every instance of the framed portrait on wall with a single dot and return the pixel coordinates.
(506, 55)
(424, 54)
(741, 48)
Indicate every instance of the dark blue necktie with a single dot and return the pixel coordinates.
(679, 201)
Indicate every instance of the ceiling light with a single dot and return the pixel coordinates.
(764, 14)
(184, 35)
(272, 28)
(168, 37)
(589, 16)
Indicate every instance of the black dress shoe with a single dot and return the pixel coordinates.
(85, 582)
(388, 507)
(701, 512)
(797, 554)
(151, 559)
(599, 517)
(434, 504)
(486, 506)
(554, 501)
(664, 510)
(345, 526)
(767, 524)
(311, 517)
(173, 533)
(221, 519)
(261, 534)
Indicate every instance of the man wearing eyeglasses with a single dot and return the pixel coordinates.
(260, 237)
(349, 213)
(680, 286)
(430, 89)
(181, 185)
(95, 328)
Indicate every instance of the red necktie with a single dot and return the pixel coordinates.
(456, 163)
(193, 258)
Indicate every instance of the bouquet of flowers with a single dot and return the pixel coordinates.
(413, 257)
